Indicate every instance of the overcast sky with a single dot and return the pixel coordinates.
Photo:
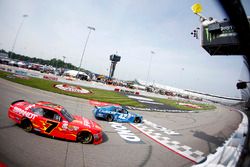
(130, 28)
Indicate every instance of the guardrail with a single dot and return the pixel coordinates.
(50, 77)
(124, 90)
(229, 154)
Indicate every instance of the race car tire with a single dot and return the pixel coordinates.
(137, 120)
(27, 125)
(109, 118)
(85, 137)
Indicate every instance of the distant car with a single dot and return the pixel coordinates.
(54, 120)
(116, 113)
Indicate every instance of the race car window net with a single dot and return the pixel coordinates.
(122, 110)
(67, 115)
(52, 115)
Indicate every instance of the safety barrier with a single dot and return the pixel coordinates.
(49, 77)
(127, 91)
(21, 72)
(229, 154)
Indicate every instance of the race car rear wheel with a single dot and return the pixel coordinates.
(27, 125)
(137, 120)
(109, 118)
(85, 137)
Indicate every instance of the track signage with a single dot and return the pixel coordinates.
(71, 88)
(125, 133)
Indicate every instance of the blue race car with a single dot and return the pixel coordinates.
(116, 113)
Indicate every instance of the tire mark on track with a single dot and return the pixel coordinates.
(7, 126)
(66, 155)
(83, 158)
(147, 157)
(187, 117)
(199, 125)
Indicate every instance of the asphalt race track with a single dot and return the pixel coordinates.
(164, 139)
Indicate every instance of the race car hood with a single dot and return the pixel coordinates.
(135, 115)
(86, 123)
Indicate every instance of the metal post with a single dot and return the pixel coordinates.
(149, 66)
(90, 28)
(17, 34)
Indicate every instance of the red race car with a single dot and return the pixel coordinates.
(54, 120)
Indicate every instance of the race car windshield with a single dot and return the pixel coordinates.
(122, 110)
(67, 115)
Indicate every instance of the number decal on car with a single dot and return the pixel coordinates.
(123, 116)
(51, 127)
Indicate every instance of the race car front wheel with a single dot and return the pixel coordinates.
(85, 137)
(109, 118)
(137, 120)
(27, 125)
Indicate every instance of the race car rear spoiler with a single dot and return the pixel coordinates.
(17, 101)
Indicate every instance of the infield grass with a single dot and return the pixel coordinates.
(97, 94)
(175, 104)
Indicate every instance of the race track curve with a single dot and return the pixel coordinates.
(165, 139)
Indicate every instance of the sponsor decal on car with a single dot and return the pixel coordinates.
(86, 123)
(30, 106)
(71, 88)
(24, 113)
(66, 126)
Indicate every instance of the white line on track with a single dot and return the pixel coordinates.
(150, 102)
(140, 98)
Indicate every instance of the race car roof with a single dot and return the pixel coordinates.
(50, 105)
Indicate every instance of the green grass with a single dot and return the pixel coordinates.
(97, 94)
(175, 104)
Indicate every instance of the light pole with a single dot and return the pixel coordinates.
(17, 34)
(64, 57)
(149, 66)
(90, 28)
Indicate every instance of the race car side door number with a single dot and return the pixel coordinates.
(51, 127)
(123, 116)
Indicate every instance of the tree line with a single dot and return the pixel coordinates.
(53, 62)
